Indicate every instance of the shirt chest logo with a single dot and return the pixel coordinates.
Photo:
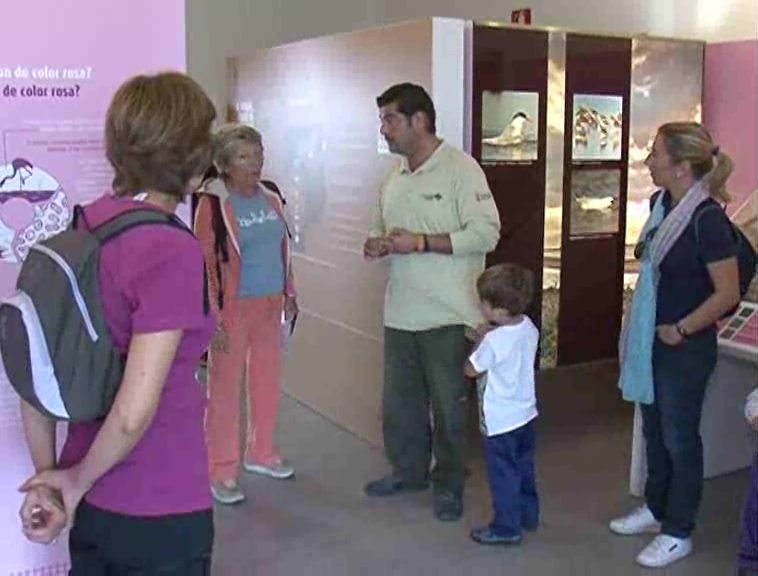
(257, 218)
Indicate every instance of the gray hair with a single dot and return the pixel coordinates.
(227, 140)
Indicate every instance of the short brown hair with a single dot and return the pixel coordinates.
(227, 139)
(157, 134)
(410, 98)
(506, 286)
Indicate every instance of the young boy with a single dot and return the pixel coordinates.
(503, 362)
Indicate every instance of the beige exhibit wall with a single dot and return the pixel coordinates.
(217, 29)
(315, 104)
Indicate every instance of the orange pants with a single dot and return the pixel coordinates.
(253, 332)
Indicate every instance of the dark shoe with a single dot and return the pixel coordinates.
(435, 474)
(487, 537)
(530, 525)
(448, 507)
(392, 485)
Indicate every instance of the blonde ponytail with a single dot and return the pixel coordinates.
(718, 175)
(691, 142)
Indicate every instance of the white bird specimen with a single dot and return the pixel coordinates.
(519, 130)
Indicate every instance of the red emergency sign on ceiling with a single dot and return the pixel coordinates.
(521, 16)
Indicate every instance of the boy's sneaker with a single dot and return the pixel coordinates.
(664, 550)
(274, 468)
(640, 521)
(487, 537)
(227, 493)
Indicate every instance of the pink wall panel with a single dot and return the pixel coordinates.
(730, 109)
(60, 64)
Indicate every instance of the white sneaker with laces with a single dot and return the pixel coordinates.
(664, 550)
(639, 521)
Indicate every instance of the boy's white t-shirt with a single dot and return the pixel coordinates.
(506, 356)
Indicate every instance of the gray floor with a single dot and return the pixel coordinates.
(321, 524)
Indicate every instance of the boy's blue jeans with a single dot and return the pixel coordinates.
(510, 468)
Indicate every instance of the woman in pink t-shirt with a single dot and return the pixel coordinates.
(134, 486)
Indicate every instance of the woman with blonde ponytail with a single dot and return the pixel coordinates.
(688, 280)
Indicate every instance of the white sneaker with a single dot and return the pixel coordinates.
(276, 468)
(664, 550)
(227, 493)
(640, 521)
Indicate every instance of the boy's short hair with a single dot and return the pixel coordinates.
(506, 286)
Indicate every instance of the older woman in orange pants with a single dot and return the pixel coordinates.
(242, 228)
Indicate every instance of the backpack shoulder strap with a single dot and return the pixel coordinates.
(699, 212)
(271, 185)
(79, 218)
(111, 229)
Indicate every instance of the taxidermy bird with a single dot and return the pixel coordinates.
(519, 130)
(588, 204)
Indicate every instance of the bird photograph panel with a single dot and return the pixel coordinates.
(510, 127)
(595, 202)
(597, 127)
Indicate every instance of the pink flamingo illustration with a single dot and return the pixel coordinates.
(20, 166)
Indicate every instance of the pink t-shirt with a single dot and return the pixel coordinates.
(151, 279)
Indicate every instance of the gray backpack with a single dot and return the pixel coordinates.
(54, 341)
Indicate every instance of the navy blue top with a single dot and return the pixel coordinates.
(685, 283)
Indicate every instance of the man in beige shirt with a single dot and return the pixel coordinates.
(435, 221)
